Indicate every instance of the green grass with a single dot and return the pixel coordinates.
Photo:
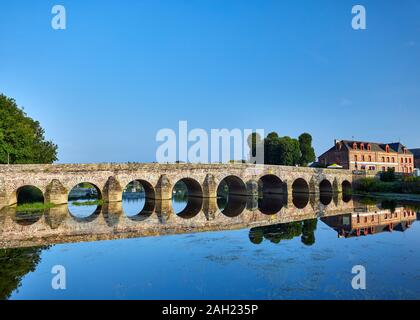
(36, 206)
(88, 203)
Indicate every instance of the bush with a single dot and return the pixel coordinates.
(388, 176)
(407, 185)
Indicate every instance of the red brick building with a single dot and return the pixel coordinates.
(357, 155)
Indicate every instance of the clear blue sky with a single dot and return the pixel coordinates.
(125, 69)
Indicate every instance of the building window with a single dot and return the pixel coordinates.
(355, 157)
(363, 157)
(387, 159)
(383, 159)
(387, 148)
(370, 158)
(362, 146)
(393, 159)
(402, 160)
(355, 146)
(383, 168)
(369, 147)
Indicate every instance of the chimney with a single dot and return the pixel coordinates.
(337, 144)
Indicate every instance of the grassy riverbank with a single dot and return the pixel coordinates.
(402, 186)
(33, 207)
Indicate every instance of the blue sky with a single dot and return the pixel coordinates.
(122, 70)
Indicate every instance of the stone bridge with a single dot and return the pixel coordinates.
(202, 180)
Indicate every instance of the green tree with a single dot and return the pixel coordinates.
(289, 153)
(307, 152)
(22, 138)
(281, 150)
(389, 175)
(272, 149)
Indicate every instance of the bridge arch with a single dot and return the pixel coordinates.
(326, 192)
(85, 202)
(271, 184)
(29, 194)
(300, 193)
(325, 186)
(190, 191)
(271, 192)
(231, 196)
(346, 187)
(138, 199)
(300, 186)
(234, 184)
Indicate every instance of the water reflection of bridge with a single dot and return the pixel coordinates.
(57, 225)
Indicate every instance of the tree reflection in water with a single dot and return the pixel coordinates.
(14, 265)
(285, 231)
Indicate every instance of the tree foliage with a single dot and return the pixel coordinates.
(307, 152)
(22, 139)
(284, 150)
(389, 175)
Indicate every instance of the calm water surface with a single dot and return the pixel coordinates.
(297, 260)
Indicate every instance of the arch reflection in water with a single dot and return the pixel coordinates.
(271, 204)
(300, 193)
(85, 201)
(138, 200)
(27, 218)
(187, 198)
(231, 196)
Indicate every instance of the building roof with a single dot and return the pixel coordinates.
(415, 152)
(375, 146)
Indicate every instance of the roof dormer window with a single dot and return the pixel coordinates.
(362, 146)
(369, 147)
(387, 148)
(354, 145)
